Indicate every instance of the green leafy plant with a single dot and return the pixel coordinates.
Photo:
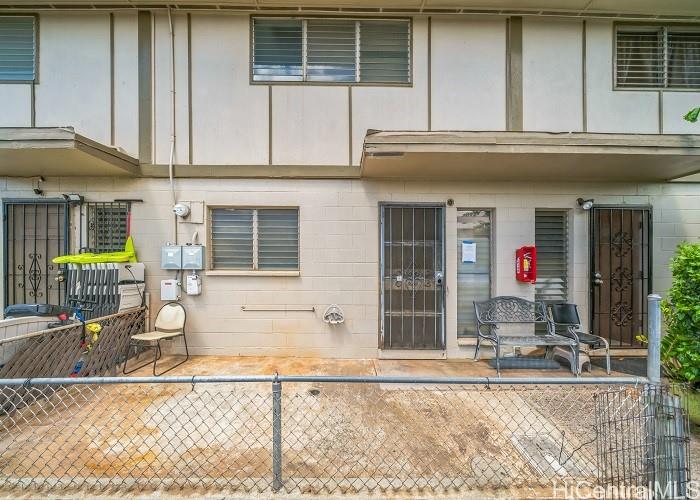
(692, 115)
(680, 347)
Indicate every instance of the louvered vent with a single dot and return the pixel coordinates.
(17, 48)
(232, 238)
(331, 47)
(552, 241)
(657, 57)
(278, 50)
(278, 239)
(384, 52)
(639, 58)
(255, 239)
(684, 59)
(332, 50)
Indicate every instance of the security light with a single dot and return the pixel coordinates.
(585, 204)
(73, 198)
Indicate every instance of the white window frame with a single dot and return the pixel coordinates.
(36, 48)
(357, 81)
(664, 29)
(254, 271)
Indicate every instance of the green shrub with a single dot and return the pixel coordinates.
(680, 347)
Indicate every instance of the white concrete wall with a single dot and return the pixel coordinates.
(613, 110)
(552, 75)
(126, 100)
(340, 250)
(468, 74)
(229, 116)
(74, 82)
(234, 120)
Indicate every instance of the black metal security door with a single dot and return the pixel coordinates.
(621, 273)
(34, 232)
(412, 281)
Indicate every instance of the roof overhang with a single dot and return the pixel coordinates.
(26, 152)
(668, 9)
(523, 156)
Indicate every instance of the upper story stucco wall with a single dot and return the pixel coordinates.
(88, 78)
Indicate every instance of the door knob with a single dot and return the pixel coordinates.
(597, 279)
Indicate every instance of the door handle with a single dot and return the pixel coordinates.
(438, 278)
(597, 279)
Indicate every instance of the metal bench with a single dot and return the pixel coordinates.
(494, 313)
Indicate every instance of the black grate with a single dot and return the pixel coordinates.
(106, 225)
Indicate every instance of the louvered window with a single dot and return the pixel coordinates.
(657, 57)
(17, 48)
(552, 242)
(255, 238)
(331, 50)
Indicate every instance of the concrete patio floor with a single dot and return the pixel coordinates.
(259, 365)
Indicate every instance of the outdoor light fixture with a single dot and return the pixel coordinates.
(585, 204)
(73, 198)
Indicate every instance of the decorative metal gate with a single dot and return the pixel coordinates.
(34, 232)
(412, 277)
(621, 273)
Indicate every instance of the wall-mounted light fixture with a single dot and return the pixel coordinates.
(73, 198)
(37, 189)
(585, 204)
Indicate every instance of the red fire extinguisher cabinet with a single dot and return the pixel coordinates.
(526, 264)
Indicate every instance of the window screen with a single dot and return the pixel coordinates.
(331, 50)
(473, 274)
(552, 242)
(17, 48)
(255, 238)
(657, 57)
(106, 226)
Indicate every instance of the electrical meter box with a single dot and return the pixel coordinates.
(169, 290)
(171, 257)
(193, 257)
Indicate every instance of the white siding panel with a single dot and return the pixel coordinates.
(609, 110)
(468, 74)
(552, 75)
(310, 125)
(394, 108)
(162, 97)
(229, 116)
(15, 105)
(126, 95)
(676, 105)
(74, 86)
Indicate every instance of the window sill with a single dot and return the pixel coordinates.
(232, 272)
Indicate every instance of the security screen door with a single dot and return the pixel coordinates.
(412, 277)
(621, 273)
(34, 232)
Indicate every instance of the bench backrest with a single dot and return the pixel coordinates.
(508, 309)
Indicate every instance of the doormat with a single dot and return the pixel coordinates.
(525, 363)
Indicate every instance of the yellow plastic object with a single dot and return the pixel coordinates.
(126, 255)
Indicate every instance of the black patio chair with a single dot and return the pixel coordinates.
(565, 321)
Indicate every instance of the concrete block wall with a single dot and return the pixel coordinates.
(340, 250)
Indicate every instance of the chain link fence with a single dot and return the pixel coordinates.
(318, 435)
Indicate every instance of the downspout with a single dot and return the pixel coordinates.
(171, 158)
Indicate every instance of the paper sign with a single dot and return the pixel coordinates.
(468, 251)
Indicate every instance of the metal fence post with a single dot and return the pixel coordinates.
(276, 434)
(654, 339)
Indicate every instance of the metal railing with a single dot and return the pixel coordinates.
(330, 435)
